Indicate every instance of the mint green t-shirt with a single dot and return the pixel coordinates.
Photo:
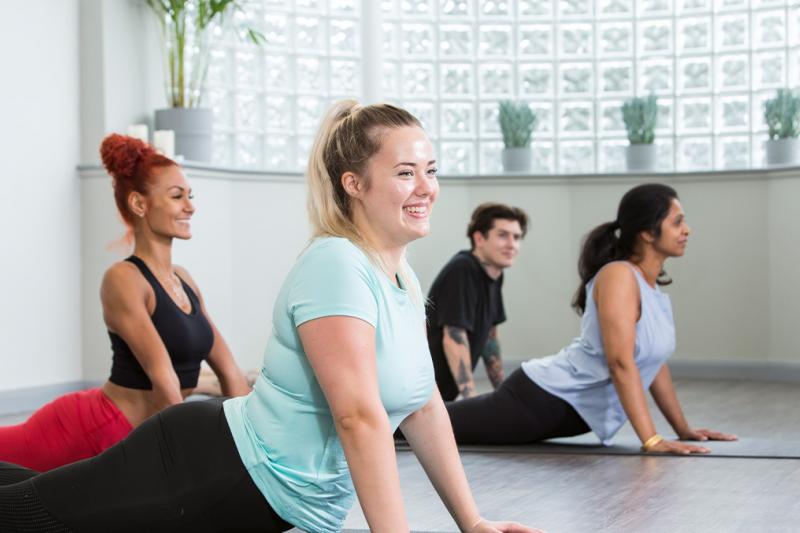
(283, 429)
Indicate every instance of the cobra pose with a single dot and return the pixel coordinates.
(159, 328)
(627, 334)
(346, 363)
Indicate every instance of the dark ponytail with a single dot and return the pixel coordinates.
(643, 208)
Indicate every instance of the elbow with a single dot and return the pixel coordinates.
(619, 368)
(361, 421)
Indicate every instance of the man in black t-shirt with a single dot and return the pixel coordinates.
(465, 302)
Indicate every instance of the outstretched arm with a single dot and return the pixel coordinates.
(220, 359)
(341, 350)
(123, 294)
(617, 297)
(430, 436)
(457, 351)
(491, 359)
(663, 391)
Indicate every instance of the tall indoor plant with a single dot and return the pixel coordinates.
(187, 35)
(517, 121)
(782, 115)
(640, 115)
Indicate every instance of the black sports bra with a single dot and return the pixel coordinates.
(188, 338)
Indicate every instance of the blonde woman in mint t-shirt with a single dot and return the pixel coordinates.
(346, 363)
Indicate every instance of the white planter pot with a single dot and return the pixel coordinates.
(641, 157)
(193, 127)
(517, 159)
(782, 152)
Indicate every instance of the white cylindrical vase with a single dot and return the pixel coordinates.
(517, 159)
(783, 152)
(641, 157)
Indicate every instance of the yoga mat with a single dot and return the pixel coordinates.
(589, 445)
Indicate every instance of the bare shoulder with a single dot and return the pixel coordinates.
(617, 279)
(122, 279)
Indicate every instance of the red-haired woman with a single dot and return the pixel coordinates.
(160, 330)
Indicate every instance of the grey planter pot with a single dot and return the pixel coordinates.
(641, 157)
(781, 152)
(194, 129)
(517, 159)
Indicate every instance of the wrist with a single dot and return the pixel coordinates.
(652, 442)
(471, 524)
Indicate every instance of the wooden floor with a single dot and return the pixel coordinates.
(630, 494)
(580, 493)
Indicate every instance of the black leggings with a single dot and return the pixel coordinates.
(518, 412)
(179, 471)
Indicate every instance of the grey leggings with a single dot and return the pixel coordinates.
(518, 412)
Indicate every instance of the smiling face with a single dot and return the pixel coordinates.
(167, 209)
(674, 232)
(498, 248)
(392, 203)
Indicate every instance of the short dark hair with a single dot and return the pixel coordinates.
(485, 214)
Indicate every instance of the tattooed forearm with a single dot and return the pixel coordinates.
(492, 360)
(457, 334)
(457, 352)
(464, 380)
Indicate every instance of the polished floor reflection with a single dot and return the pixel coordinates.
(631, 494)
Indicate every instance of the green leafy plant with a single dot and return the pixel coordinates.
(782, 114)
(187, 29)
(640, 115)
(517, 121)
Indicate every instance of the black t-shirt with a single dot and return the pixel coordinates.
(462, 295)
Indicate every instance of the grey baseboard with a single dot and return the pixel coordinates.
(31, 398)
(729, 369)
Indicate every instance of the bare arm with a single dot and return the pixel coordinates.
(123, 294)
(341, 350)
(220, 359)
(663, 391)
(491, 359)
(430, 436)
(457, 351)
(617, 297)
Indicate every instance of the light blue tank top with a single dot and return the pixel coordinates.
(579, 373)
(284, 430)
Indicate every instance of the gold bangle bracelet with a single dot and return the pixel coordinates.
(652, 441)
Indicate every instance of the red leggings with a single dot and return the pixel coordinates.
(70, 428)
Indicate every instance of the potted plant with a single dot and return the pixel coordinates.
(187, 35)
(640, 115)
(517, 121)
(782, 114)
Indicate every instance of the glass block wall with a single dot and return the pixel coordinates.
(268, 101)
(712, 63)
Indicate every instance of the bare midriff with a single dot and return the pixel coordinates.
(137, 405)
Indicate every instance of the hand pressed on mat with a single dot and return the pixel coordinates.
(705, 434)
(485, 526)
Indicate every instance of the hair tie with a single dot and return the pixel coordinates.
(615, 225)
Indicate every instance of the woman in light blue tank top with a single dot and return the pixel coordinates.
(598, 381)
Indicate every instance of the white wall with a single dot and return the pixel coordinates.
(40, 324)
(121, 70)
(734, 293)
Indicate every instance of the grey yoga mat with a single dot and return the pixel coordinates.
(589, 445)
